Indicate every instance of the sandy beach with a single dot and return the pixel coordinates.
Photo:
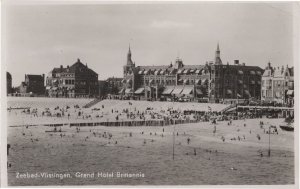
(148, 151)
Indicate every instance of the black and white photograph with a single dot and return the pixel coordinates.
(162, 93)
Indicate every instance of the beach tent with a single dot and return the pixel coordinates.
(187, 90)
(139, 91)
(121, 91)
(168, 90)
(177, 90)
(128, 91)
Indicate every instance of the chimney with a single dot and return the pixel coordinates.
(61, 67)
(236, 62)
(244, 64)
(68, 66)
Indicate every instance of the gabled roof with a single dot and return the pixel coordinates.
(79, 65)
(268, 73)
(74, 68)
(278, 73)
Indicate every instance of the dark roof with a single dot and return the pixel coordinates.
(74, 68)
(193, 67)
(234, 67)
(8, 75)
(77, 65)
(59, 70)
(35, 77)
(170, 68)
(153, 67)
(114, 79)
(242, 67)
(291, 70)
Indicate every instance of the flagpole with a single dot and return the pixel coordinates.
(173, 142)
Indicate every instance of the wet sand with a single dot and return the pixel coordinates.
(216, 162)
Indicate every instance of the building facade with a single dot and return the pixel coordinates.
(33, 85)
(267, 84)
(113, 85)
(8, 83)
(72, 81)
(278, 85)
(212, 81)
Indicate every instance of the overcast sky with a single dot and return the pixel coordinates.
(41, 37)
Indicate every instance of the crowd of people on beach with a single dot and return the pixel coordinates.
(127, 113)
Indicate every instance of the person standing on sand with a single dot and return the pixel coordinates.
(188, 140)
(223, 138)
(8, 147)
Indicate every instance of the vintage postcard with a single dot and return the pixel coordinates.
(150, 93)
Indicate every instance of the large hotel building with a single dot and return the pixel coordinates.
(213, 81)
